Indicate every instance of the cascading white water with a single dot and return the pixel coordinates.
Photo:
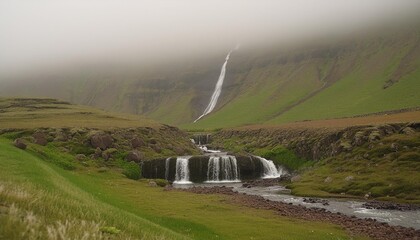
(213, 169)
(182, 174)
(167, 168)
(270, 170)
(217, 90)
(222, 169)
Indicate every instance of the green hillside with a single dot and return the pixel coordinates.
(372, 76)
(340, 78)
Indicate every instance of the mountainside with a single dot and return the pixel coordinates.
(270, 86)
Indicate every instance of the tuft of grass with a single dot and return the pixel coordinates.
(110, 230)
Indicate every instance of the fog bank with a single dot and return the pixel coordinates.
(45, 34)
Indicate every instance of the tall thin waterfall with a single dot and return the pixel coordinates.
(217, 90)
(167, 168)
(182, 174)
(270, 170)
(222, 169)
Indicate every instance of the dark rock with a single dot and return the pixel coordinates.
(137, 142)
(391, 206)
(19, 143)
(102, 141)
(135, 156)
(261, 182)
(157, 148)
(40, 138)
(316, 200)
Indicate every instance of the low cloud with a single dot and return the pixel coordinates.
(45, 34)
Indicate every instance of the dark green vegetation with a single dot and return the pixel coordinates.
(379, 161)
(40, 200)
(387, 170)
(277, 153)
(340, 78)
(284, 157)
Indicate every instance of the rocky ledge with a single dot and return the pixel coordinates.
(369, 227)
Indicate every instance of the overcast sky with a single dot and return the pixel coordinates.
(44, 33)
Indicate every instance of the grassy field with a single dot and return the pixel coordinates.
(41, 112)
(39, 200)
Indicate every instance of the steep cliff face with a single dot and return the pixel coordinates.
(272, 85)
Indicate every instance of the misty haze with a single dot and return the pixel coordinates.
(210, 119)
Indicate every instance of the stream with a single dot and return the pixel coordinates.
(348, 207)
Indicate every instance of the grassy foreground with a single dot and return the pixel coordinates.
(39, 200)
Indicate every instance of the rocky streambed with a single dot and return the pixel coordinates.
(355, 225)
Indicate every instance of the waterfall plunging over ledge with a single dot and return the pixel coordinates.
(212, 168)
(222, 169)
(270, 170)
(182, 174)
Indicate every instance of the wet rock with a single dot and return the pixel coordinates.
(40, 138)
(19, 143)
(316, 200)
(102, 141)
(391, 206)
(261, 182)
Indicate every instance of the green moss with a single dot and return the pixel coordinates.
(131, 170)
(284, 157)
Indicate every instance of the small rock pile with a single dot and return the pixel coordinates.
(391, 206)
(316, 200)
